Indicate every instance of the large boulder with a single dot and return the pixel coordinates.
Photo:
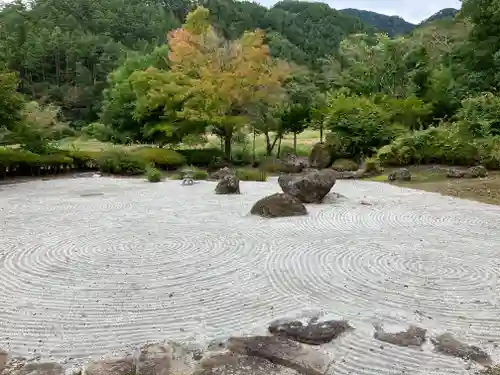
(221, 173)
(455, 173)
(310, 187)
(449, 345)
(278, 205)
(292, 164)
(314, 333)
(282, 351)
(154, 359)
(320, 156)
(229, 184)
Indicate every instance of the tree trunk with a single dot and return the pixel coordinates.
(279, 146)
(253, 147)
(227, 146)
(321, 132)
(295, 143)
(269, 147)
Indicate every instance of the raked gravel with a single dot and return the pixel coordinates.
(89, 266)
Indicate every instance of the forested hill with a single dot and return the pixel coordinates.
(394, 25)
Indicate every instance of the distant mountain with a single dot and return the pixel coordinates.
(394, 25)
(442, 14)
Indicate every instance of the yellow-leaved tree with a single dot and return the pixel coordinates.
(220, 83)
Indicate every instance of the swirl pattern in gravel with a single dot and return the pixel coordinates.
(93, 265)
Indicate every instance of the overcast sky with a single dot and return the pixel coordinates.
(411, 10)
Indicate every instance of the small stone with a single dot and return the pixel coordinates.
(314, 333)
(229, 184)
(413, 336)
(402, 174)
(447, 344)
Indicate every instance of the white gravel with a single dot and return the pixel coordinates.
(93, 265)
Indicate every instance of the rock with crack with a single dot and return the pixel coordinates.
(449, 345)
(278, 205)
(234, 364)
(310, 187)
(402, 174)
(320, 156)
(413, 336)
(43, 368)
(229, 184)
(314, 333)
(288, 353)
(111, 366)
(221, 173)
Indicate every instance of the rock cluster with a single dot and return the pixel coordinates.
(292, 348)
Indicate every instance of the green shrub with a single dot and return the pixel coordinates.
(160, 157)
(372, 166)
(445, 145)
(344, 165)
(84, 159)
(121, 163)
(153, 174)
(251, 174)
(19, 162)
(201, 157)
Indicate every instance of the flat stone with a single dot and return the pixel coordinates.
(449, 345)
(314, 333)
(44, 368)
(280, 350)
(413, 336)
(278, 205)
(234, 364)
(118, 366)
(154, 359)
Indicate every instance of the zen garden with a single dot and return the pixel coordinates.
(220, 188)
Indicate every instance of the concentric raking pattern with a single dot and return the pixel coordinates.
(83, 274)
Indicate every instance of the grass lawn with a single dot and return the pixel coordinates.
(432, 179)
(305, 141)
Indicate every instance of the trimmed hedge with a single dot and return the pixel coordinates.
(18, 162)
(201, 157)
(160, 157)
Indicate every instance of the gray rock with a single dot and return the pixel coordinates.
(413, 336)
(229, 184)
(320, 156)
(314, 333)
(45, 368)
(455, 173)
(292, 164)
(449, 345)
(402, 174)
(310, 187)
(477, 171)
(154, 359)
(3, 359)
(278, 205)
(111, 366)
(234, 364)
(221, 173)
(302, 358)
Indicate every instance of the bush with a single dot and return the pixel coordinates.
(101, 132)
(201, 157)
(19, 162)
(160, 157)
(345, 165)
(251, 174)
(153, 175)
(372, 166)
(121, 163)
(444, 145)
